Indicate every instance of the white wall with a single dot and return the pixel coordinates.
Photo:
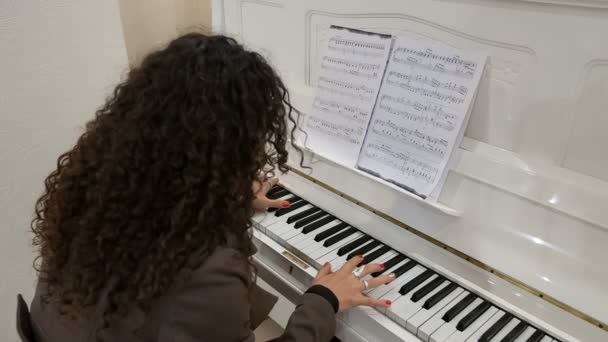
(58, 61)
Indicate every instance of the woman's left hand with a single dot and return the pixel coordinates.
(260, 189)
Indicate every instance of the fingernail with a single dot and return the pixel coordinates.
(285, 204)
(392, 275)
(360, 256)
(381, 266)
(326, 264)
(388, 302)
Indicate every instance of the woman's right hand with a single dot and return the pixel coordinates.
(348, 288)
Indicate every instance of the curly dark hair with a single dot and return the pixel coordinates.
(162, 175)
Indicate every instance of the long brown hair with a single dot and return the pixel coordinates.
(164, 169)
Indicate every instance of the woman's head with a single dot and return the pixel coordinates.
(163, 173)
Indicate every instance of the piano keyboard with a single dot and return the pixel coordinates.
(425, 302)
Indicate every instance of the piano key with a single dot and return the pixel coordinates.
(461, 336)
(311, 237)
(276, 193)
(537, 336)
(382, 289)
(473, 315)
(414, 322)
(340, 261)
(394, 296)
(372, 256)
(515, 332)
(435, 322)
(336, 255)
(393, 287)
(372, 245)
(340, 236)
(349, 247)
(448, 328)
(494, 329)
(330, 231)
(457, 309)
(502, 333)
(546, 338)
(311, 218)
(270, 221)
(487, 325)
(403, 308)
(319, 223)
(323, 250)
(404, 268)
(263, 218)
(423, 292)
(303, 214)
(390, 263)
(526, 334)
(409, 286)
(429, 303)
(294, 206)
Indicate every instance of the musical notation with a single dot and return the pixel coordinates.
(347, 111)
(404, 163)
(413, 137)
(332, 129)
(350, 73)
(422, 104)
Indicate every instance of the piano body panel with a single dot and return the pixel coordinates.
(531, 176)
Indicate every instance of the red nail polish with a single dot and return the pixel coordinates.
(381, 266)
(388, 302)
(285, 204)
(360, 256)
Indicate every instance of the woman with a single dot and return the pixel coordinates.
(143, 231)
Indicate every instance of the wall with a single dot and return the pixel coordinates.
(150, 24)
(58, 61)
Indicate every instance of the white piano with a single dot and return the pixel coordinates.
(516, 248)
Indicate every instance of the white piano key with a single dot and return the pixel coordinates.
(487, 325)
(414, 322)
(336, 260)
(296, 241)
(507, 328)
(404, 308)
(275, 222)
(396, 284)
(263, 216)
(461, 336)
(447, 329)
(429, 327)
(544, 339)
(526, 334)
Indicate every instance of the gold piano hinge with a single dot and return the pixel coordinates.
(295, 259)
(462, 255)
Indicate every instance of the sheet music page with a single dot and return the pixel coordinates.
(423, 104)
(350, 74)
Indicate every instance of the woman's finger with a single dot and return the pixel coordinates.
(268, 203)
(325, 270)
(273, 181)
(371, 268)
(351, 264)
(379, 280)
(369, 301)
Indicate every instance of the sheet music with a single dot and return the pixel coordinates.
(350, 74)
(422, 108)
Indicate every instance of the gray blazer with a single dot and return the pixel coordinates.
(210, 305)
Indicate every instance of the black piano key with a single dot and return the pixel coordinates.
(404, 268)
(426, 289)
(514, 334)
(330, 231)
(473, 315)
(340, 236)
(274, 190)
(277, 194)
(354, 244)
(494, 329)
(292, 207)
(362, 250)
(291, 200)
(536, 337)
(318, 223)
(437, 297)
(305, 213)
(375, 255)
(456, 309)
(390, 263)
(309, 219)
(410, 285)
